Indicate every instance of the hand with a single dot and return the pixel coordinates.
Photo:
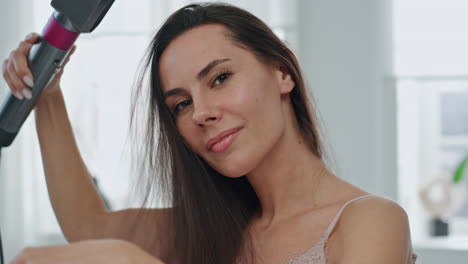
(89, 252)
(18, 75)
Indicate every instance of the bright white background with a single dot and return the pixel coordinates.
(353, 53)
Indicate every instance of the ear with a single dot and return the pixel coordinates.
(284, 79)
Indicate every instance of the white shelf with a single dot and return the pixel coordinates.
(454, 140)
(455, 243)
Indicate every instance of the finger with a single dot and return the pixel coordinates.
(72, 50)
(32, 38)
(59, 74)
(20, 61)
(4, 68)
(11, 68)
(70, 54)
(67, 59)
(7, 78)
(19, 87)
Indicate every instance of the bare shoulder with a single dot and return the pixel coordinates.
(373, 208)
(371, 230)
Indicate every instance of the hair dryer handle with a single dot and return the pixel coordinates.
(45, 61)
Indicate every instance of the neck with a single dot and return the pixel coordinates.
(287, 180)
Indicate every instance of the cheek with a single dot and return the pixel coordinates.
(265, 125)
(248, 98)
(258, 101)
(190, 134)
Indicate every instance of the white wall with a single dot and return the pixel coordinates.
(346, 54)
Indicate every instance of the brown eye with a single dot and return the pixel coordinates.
(181, 106)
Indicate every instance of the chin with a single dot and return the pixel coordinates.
(239, 163)
(232, 171)
(233, 176)
(236, 168)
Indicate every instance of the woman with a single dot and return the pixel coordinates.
(238, 156)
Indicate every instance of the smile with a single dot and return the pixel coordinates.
(223, 140)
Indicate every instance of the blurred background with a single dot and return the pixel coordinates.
(390, 79)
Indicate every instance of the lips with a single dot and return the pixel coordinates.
(218, 138)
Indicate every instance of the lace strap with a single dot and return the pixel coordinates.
(337, 217)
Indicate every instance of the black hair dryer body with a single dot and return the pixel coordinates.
(70, 18)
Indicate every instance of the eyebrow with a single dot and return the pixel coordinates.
(200, 75)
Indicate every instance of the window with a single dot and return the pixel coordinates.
(431, 65)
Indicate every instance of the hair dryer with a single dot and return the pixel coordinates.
(69, 19)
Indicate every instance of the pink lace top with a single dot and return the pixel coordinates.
(317, 254)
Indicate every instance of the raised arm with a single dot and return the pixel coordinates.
(80, 210)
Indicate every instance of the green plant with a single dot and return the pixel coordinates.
(460, 170)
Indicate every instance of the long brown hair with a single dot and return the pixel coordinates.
(209, 212)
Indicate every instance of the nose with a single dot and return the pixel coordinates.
(205, 112)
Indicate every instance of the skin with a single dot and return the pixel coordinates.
(89, 252)
(298, 195)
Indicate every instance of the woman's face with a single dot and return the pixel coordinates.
(228, 106)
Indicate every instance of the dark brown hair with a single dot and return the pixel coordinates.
(210, 212)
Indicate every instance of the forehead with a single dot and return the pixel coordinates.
(187, 54)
